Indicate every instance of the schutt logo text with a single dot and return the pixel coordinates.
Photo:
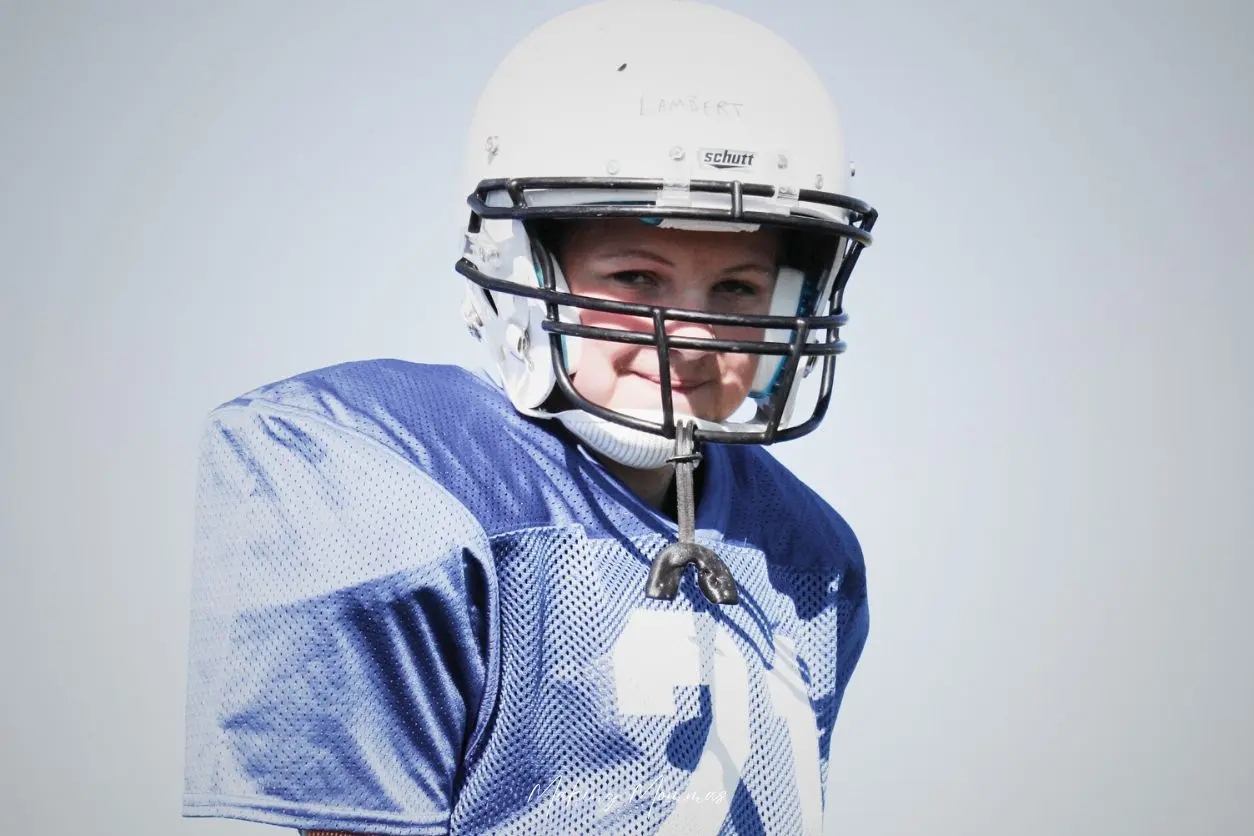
(726, 158)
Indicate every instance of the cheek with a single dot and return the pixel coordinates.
(615, 322)
(608, 351)
(600, 361)
(739, 367)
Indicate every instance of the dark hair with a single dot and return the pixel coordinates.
(552, 235)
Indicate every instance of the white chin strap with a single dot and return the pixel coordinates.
(627, 446)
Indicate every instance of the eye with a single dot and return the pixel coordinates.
(736, 287)
(634, 278)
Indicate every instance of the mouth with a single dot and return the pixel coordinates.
(678, 386)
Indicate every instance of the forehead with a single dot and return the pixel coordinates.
(592, 238)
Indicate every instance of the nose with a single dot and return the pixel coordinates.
(690, 298)
(680, 328)
(682, 358)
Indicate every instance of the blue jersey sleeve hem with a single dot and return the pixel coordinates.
(306, 817)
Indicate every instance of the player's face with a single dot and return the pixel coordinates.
(723, 272)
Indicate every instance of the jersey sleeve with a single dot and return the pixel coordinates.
(342, 609)
(853, 619)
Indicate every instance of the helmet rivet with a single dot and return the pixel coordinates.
(612, 166)
(677, 153)
(492, 145)
(818, 181)
(517, 342)
(522, 348)
(474, 322)
(853, 171)
(783, 161)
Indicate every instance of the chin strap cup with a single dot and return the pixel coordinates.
(713, 576)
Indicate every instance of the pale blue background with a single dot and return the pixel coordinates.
(1042, 432)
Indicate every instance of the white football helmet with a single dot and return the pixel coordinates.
(683, 115)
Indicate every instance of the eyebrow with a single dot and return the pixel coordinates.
(648, 255)
(632, 252)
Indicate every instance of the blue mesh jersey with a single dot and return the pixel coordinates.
(416, 611)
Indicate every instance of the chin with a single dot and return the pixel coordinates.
(634, 392)
(691, 403)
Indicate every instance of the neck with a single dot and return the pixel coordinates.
(651, 486)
